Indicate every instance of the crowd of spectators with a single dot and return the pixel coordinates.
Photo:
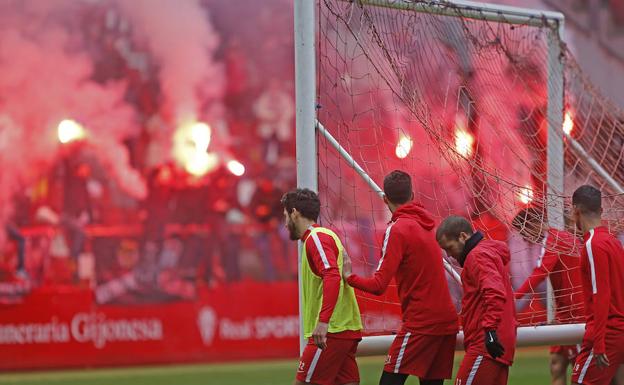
(75, 226)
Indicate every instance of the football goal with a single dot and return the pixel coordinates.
(482, 104)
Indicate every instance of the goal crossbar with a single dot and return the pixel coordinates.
(472, 10)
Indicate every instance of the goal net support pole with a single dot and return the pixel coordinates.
(598, 169)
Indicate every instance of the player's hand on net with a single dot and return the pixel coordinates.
(602, 361)
(346, 265)
(492, 344)
(320, 335)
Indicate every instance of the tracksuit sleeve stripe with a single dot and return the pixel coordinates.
(385, 245)
(590, 256)
(320, 249)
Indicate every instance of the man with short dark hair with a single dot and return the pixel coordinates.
(559, 262)
(425, 345)
(331, 317)
(602, 275)
(488, 311)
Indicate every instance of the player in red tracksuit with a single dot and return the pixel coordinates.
(559, 261)
(425, 345)
(331, 318)
(488, 309)
(602, 274)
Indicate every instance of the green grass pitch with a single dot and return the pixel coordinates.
(530, 368)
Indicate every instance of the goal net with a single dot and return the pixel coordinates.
(488, 112)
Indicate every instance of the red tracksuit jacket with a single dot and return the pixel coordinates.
(560, 262)
(602, 272)
(411, 254)
(488, 302)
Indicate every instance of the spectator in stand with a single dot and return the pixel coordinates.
(16, 235)
(221, 204)
(236, 73)
(77, 211)
(274, 111)
(266, 209)
(157, 211)
(12, 287)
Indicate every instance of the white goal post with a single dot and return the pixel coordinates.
(307, 129)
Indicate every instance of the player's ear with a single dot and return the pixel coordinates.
(385, 199)
(576, 213)
(412, 198)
